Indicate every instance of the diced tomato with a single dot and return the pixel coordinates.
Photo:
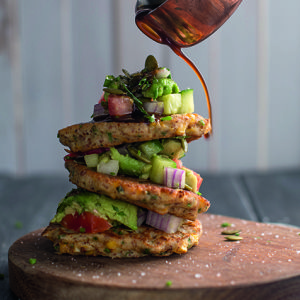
(70, 156)
(178, 163)
(102, 98)
(119, 105)
(85, 222)
(70, 221)
(199, 180)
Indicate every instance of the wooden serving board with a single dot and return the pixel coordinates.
(264, 265)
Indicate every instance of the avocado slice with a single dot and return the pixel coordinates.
(99, 205)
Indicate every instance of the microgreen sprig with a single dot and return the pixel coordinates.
(138, 103)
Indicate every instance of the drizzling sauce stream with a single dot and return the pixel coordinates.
(191, 64)
(185, 23)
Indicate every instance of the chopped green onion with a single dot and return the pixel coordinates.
(169, 283)
(226, 224)
(167, 118)
(202, 122)
(32, 261)
(138, 103)
(18, 225)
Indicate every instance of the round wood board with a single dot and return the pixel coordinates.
(264, 265)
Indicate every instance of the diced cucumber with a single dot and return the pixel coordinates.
(158, 165)
(150, 148)
(91, 160)
(128, 165)
(110, 167)
(172, 103)
(172, 148)
(187, 102)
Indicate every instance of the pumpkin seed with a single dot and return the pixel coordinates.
(114, 91)
(127, 74)
(184, 145)
(233, 238)
(151, 63)
(230, 232)
(187, 187)
(138, 155)
(226, 224)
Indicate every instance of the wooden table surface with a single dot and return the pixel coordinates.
(27, 204)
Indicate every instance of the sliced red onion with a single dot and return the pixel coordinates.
(74, 155)
(99, 111)
(167, 223)
(162, 73)
(141, 215)
(98, 151)
(154, 107)
(174, 178)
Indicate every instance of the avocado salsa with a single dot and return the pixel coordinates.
(145, 95)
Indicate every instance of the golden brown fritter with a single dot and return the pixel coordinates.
(123, 242)
(88, 136)
(155, 197)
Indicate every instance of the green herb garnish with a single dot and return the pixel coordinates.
(226, 224)
(117, 210)
(18, 225)
(138, 103)
(169, 283)
(167, 118)
(110, 136)
(32, 261)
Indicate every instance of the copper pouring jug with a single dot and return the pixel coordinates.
(182, 23)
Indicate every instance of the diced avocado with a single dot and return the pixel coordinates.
(172, 103)
(104, 157)
(158, 165)
(129, 165)
(146, 171)
(160, 87)
(191, 180)
(91, 160)
(99, 205)
(172, 148)
(150, 148)
(187, 102)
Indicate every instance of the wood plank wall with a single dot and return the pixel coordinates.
(55, 54)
